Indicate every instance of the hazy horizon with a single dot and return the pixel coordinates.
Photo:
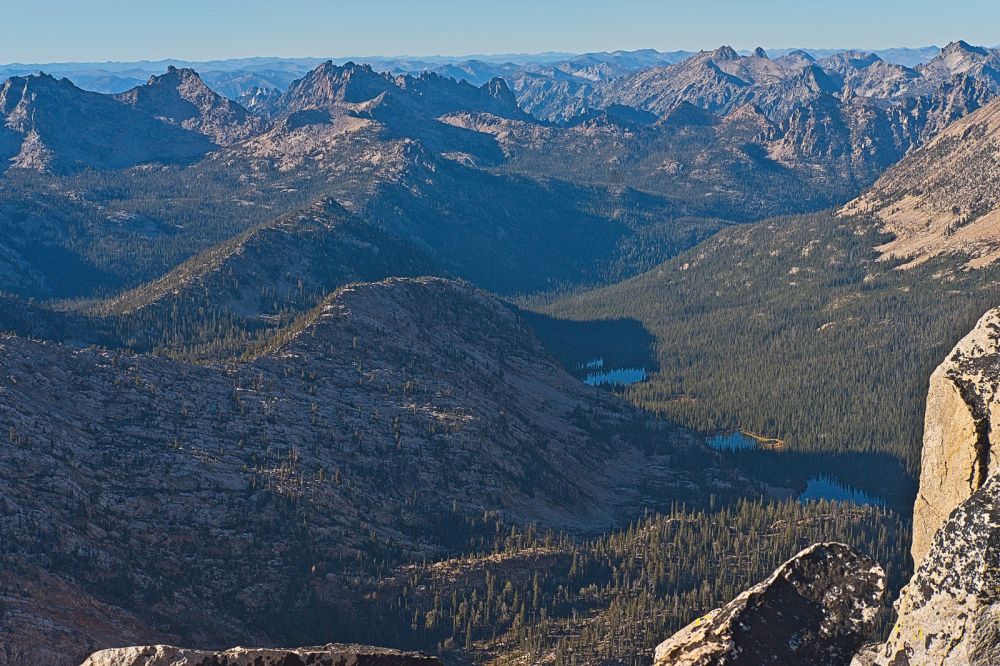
(117, 31)
(492, 57)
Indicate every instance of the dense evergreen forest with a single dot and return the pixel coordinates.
(793, 329)
(545, 597)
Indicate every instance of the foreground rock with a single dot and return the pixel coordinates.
(949, 613)
(816, 608)
(958, 455)
(326, 655)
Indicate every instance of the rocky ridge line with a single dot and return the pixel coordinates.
(325, 655)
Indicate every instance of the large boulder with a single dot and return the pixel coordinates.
(949, 613)
(326, 655)
(958, 454)
(817, 608)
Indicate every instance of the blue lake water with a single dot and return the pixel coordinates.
(732, 441)
(809, 477)
(827, 488)
(617, 377)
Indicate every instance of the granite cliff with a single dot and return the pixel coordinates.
(959, 453)
(949, 613)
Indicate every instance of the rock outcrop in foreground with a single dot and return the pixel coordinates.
(958, 455)
(949, 613)
(326, 655)
(816, 608)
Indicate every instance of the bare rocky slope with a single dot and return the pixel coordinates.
(181, 98)
(144, 500)
(944, 197)
(324, 655)
(51, 125)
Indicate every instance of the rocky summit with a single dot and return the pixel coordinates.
(817, 608)
(959, 453)
(325, 655)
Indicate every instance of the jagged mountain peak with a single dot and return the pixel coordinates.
(50, 124)
(181, 97)
(182, 73)
(360, 88)
(963, 47)
(759, 52)
(958, 58)
(853, 59)
(331, 85)
(18, 89)
(725, 53)
(800, 54)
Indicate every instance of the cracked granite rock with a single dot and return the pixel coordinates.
(816, 608)
(949, 613)
(958, 453)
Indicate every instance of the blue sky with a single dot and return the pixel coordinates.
(57, 30)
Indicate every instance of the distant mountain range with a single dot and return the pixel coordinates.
(237, 76)
(622, 170)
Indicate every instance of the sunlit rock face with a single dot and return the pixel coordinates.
(958, 454)
(949, 613)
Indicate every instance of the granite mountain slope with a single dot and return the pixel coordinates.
(50, 124)
(147, 500)
(181, 98)
(445, 165)
(228, 299)
(943, 199)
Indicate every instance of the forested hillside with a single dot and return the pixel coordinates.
(793, 329)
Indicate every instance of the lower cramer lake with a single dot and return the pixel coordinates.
(863, 479)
